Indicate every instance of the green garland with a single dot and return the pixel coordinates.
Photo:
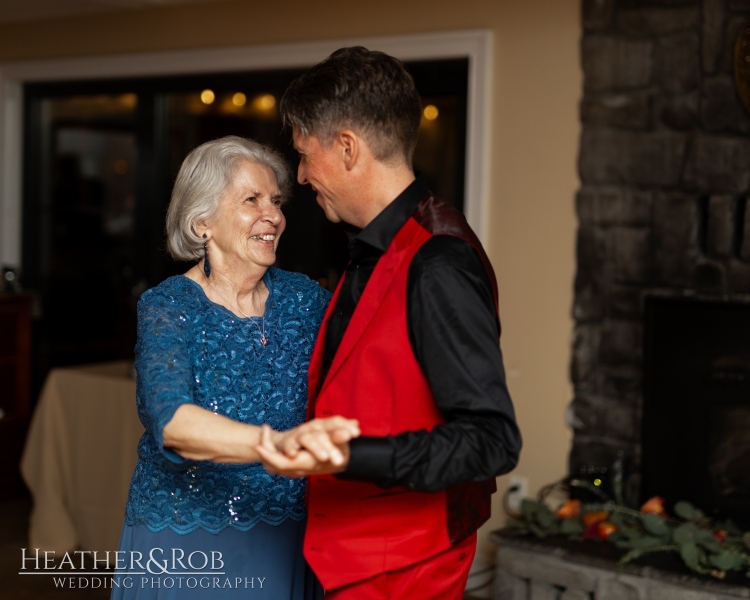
(705, 547)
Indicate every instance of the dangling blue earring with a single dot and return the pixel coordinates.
(206, 264)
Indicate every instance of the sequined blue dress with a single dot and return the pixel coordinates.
(203, 529)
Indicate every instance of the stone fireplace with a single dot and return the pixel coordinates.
(663, 247)
(663, 207)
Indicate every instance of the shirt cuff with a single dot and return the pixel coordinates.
(370, 459)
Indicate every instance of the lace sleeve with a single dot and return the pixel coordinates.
(162, 362)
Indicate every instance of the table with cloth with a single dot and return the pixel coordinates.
(79, 457)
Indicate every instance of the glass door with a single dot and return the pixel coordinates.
(79, 233)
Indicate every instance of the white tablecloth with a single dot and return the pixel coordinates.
(79, 457)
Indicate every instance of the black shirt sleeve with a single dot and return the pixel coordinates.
(453, 330)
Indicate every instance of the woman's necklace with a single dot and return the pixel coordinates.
(261, 328)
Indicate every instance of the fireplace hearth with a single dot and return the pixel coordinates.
(560, 570)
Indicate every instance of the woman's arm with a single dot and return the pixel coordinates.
(199, 434)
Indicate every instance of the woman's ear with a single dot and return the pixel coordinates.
(202, 229)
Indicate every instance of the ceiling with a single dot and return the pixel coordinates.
(27, 10)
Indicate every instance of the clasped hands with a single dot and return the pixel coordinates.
(318, 447)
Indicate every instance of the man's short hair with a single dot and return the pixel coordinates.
(367, 91)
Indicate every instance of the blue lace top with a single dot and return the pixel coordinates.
(191, 350)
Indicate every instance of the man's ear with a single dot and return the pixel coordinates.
(350, 146)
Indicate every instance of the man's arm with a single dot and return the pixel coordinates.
(454, 333)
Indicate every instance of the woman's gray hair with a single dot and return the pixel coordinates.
(204, 176)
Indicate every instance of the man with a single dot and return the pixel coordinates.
(409, 347)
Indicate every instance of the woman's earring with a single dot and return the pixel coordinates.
(206, 264)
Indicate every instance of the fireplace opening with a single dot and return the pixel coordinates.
(696, 411)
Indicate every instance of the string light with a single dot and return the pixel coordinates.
(265, 103)
(430, 112)
(207, 96)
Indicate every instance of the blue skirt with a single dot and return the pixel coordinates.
(265, 562)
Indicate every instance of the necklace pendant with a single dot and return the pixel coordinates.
(263, 340)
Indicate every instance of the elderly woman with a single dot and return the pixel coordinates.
(222, 351)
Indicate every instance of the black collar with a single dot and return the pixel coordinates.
(379, 233)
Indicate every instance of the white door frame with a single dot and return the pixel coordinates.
(476, 45)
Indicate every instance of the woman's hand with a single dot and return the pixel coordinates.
(303, 463)
(322, 438)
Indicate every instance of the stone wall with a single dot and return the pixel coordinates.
(526, 570)
(665, 170)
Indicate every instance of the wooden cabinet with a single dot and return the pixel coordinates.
(15, 386)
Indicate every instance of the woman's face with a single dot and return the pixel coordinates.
(248, 222)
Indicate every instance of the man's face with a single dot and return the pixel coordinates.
(323, 169)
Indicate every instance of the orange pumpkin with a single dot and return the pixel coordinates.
(569, 510)
(594, 517)
(604, 529)
(654, 506)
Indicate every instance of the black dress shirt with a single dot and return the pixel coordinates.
(454, 331)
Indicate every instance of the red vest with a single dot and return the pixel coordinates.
(356, 530)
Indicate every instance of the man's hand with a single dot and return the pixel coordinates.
(319, 437)
(303, 463)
